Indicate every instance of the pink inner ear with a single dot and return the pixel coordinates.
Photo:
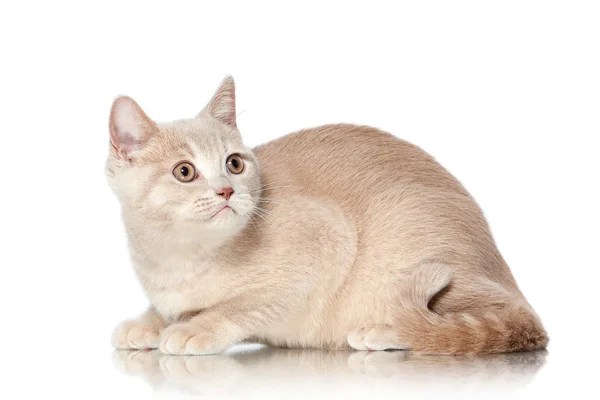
(128, 142)
(129, 125)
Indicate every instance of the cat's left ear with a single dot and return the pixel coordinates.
(222, 104)
(130, 127)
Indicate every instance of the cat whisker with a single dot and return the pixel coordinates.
(276, 182)
(263, 213)
(272, 186)
(202, 199)
(254, 223)
(279, 203)
(276, 187)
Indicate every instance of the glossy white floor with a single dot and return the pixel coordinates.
(253, 371)
(262, 371)
(503, 94)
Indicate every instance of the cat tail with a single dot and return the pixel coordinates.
(509, 328)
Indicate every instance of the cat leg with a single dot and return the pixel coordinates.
(214, 330)
(140, 333)
(377, 337)
(206, 333)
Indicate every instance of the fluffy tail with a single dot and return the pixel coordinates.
(513, 327)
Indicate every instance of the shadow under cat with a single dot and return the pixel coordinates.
(255, 369)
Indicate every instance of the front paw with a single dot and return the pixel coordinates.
(136, 334)
(187, 338)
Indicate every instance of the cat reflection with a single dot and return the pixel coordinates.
(247, 369)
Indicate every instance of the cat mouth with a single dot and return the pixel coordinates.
(223, 210)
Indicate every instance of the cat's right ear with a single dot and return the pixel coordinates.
(130, 128)
(222, 105)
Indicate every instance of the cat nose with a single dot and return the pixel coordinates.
(225, 192)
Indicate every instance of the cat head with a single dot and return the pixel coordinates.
(195, 174)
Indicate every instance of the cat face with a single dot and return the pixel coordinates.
(194, 173)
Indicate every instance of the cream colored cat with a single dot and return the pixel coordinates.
(333, 237)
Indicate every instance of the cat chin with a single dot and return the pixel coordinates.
(224, 222)
(218, 234)
(215, 230)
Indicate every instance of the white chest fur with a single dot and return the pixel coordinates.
(179, 282)
(289, 259)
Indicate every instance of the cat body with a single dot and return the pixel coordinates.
(333, 237)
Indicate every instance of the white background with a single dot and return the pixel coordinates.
(506, 95)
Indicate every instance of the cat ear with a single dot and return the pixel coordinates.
(130, 128)
(222, 104)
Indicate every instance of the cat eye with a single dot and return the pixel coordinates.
(235, 164)
(184, 172)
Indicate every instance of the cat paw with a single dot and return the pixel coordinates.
(135, 334)
(378, 337)
(186, 338)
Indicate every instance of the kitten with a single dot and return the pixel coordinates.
(333, 237)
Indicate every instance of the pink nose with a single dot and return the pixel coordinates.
(225, 192)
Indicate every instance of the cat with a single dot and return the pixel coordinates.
(340, 236)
